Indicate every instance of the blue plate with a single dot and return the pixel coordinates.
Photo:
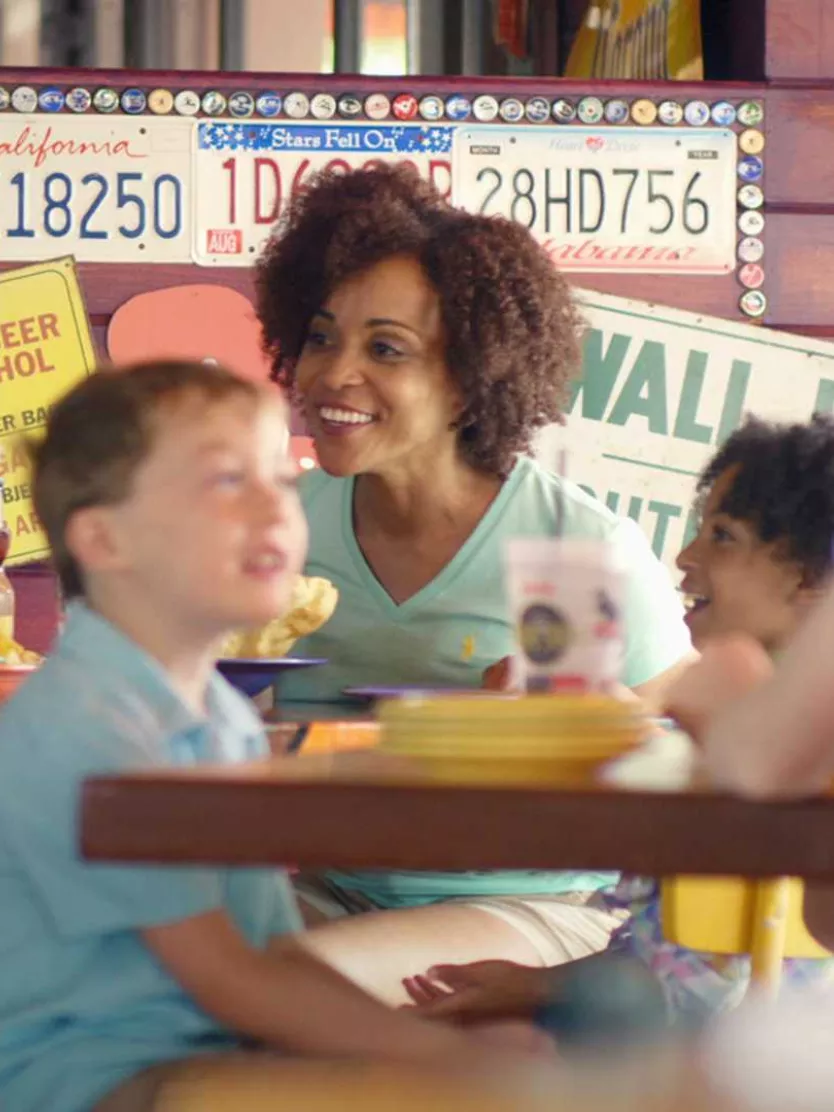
(252, 675)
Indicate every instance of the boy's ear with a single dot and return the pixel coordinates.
(807, 585)
(811, 582)
(92, 540)
(809, 592)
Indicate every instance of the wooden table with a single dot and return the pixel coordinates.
(363, 809)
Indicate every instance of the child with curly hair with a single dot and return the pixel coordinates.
(753, 573)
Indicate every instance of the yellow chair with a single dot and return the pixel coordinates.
(729, 915)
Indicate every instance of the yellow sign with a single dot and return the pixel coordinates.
(45, 348)
(641, 40)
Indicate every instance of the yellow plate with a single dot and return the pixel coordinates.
(531, 709)
(508, 773)
(524, 728)
(450, 753)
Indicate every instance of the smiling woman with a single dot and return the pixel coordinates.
(426, 347)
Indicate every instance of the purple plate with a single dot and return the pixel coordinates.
(371, 694)
(252, 675)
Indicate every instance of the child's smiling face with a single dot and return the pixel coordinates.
(736, 582)
(212, 533)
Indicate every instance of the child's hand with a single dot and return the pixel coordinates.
(729, 667)
(478, 992)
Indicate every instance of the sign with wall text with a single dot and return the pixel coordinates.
(45, 348)
(660, 390)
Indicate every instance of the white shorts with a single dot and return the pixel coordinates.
(559, 931)
(560, 928)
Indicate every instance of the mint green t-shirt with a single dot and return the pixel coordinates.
(458, 625)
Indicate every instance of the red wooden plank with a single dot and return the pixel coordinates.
(716, 296)
(800, 39)
(203, 80)
(106, 286)
(261, 814)
(800, 269)
(800, 136)
(36, 606)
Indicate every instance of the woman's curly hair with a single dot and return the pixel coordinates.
(783, 487)
(512, 330)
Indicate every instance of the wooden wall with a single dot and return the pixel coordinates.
(106, 286)
(800, 40)
(799, 58)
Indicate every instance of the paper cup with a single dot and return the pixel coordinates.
(566, 602)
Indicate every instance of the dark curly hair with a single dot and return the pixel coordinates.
(512, 330)
(783, 487)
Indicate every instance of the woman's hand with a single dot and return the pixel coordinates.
(729, 667)
(482, 991)
(497, 676)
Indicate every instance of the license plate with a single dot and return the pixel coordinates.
(647, 200)
(246, 173)
(102, 189)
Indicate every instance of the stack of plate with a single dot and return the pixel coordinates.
(520, 737)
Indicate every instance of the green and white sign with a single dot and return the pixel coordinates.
(660, 390)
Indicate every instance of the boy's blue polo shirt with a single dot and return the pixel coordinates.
(83, 1003)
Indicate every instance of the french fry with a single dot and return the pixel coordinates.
(313, 602)
(11, 653)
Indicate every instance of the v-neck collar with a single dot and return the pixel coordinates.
(447, 575)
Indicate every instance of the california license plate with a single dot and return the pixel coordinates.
(102, 189)
(649, 200)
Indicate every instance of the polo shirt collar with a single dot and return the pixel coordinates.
(114, 659)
